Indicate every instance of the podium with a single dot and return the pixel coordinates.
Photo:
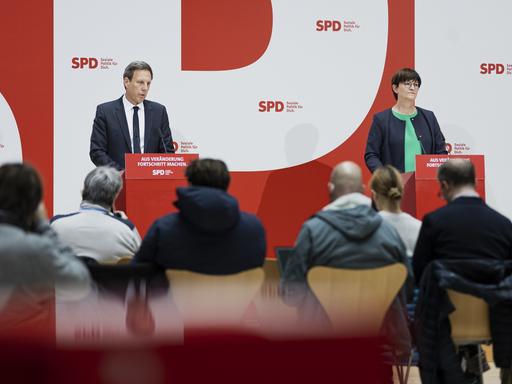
(149, 186)
(421, 188)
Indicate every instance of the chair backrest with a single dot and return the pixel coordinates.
(116, 278)
(214, 300)
(470, 320)
(356, 300)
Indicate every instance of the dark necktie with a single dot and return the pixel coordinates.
(136, 133)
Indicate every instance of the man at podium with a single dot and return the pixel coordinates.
(130, 124)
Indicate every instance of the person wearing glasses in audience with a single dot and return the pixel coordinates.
(400, 133)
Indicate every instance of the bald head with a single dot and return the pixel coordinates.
(346, 178)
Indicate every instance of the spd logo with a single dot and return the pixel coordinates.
(328, 25)
(490, 68)
(271, 105)
(84, 62)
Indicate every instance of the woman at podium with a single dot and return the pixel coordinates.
(400, 133)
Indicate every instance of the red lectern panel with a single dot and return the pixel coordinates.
(150, 182)
(422, 190)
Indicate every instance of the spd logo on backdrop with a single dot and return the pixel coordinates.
(185, 147)
(458, 148)
(327, 25)
(495, 69)
(279, 106)
(92, 63)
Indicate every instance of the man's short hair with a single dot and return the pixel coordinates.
(101, 186)
(457, 172)
(208, 173)
(135, 66)
(21, 192)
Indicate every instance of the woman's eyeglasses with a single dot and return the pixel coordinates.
(413, 84)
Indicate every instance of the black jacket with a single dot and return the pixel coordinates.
(209, 235)
(488, 279)
(385, 144)
(465, 229)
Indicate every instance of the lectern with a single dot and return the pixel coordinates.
(421, 188)
(149, 185)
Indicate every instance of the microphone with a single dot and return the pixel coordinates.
(163, 142)
(423, 152)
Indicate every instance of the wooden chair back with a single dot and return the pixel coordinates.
(470, 320)
(356, 299)
(214, 300)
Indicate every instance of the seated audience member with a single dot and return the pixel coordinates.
(474, 242)
(387, 191)
(347, 233)
(33, 260)
(209, 234)
(95, 231)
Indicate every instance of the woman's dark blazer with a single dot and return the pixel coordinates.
(385, 144)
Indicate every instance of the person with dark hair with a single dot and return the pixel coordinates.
(209, 234)
(208, 173)
(130, 124)
(33, 260)
(400, 133)
(456, 174)
(387, 191)
(96, 219)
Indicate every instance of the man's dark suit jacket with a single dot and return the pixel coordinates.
(110, 138)
(464, 229)
(385, 144)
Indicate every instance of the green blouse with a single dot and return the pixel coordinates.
(412, 146)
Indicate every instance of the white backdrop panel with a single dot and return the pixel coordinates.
(10, 143)
(453, 38)
(334, 76)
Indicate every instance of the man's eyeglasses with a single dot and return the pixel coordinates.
(413, 84)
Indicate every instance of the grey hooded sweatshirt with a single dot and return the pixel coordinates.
(347, 233)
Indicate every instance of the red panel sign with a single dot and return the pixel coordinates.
(427, 187)
(157, 165)
(427, 165)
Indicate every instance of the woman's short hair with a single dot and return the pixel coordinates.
(403, 75)
(387, 181)
(21, 192)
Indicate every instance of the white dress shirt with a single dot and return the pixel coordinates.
(128, 110)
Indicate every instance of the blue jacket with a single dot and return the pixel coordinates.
(385, 144)
(209, 235)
